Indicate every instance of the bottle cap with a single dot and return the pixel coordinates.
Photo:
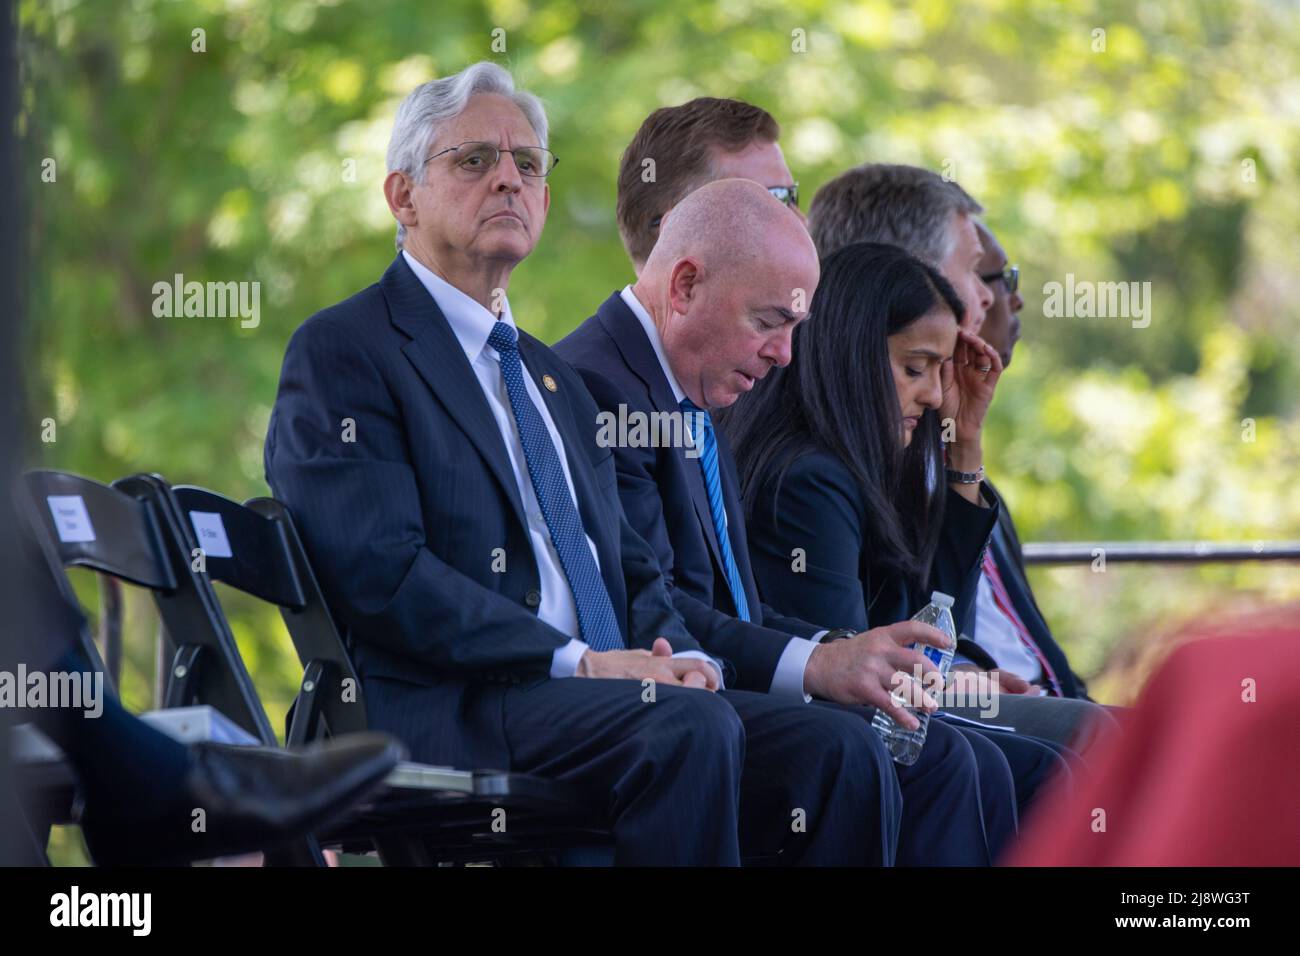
(941, 599)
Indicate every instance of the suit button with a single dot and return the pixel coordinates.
(533, 598)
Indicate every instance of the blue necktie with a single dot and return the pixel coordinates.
(596, 618)
(708, 446)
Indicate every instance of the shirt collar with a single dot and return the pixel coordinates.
(652, 333)
(468, 319)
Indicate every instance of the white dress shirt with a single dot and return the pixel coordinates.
(472, 324)
(996, 635)
(788, 680)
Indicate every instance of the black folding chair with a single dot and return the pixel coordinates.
(123, 531)
(428, 813)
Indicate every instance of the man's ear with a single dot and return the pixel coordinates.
(397, 190)
(683, 284)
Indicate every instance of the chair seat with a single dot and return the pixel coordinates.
(450, 809)
(455, 809)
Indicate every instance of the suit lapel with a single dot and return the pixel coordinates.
(1023, 600)
(437, 356)
(625, 330)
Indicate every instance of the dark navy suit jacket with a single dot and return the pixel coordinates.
(664, 498)
(1007, 553)
(818, 508)
(409, 522)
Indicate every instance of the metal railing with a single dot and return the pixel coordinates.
(1037, 553)
(1160, 552)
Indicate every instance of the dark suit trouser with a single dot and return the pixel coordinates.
(1032, 762)
(818, 785)
(958, 798)
(1073, 722)
(815, 785)
(665, 776)
(957, 801)
(692, 778)
(1000, 779)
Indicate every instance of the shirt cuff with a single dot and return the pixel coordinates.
(788, 679)
(700, 655)
(564, 662)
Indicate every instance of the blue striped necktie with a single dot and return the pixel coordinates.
(708, 445)
(596, 618)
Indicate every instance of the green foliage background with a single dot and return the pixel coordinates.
(1169, 156)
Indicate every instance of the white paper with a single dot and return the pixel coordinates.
(71, 520)
(211, 532)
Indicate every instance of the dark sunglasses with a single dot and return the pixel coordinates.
(1010, 275)
(786, 194)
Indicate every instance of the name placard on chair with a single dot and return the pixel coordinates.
(71, 519)
(211, 532)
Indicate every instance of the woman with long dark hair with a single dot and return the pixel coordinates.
(860, 462)
(840, 455)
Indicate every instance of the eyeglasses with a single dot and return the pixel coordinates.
(480, 157)
(786, 194)
(1010, 275)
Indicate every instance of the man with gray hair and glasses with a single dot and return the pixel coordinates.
(466, 526)
(914, 209)
(934, 219)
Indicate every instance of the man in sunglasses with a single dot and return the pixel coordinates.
(1008, 630)
(1001, 327)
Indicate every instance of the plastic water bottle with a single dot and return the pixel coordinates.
(905, 745)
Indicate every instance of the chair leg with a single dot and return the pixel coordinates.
(181, 680)
(305, 852)
(404, 851)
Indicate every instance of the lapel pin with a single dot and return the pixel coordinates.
(549, 383)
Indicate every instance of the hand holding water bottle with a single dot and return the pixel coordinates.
(866, 669)
(904, 741)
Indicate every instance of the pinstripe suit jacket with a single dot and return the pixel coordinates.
(382, 444)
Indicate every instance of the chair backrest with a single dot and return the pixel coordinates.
(92, 525)
(131, 530)
(255, 548)
(52, 504)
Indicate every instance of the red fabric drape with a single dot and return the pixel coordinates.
(1200, 775)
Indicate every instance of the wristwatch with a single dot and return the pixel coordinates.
(965, 477)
